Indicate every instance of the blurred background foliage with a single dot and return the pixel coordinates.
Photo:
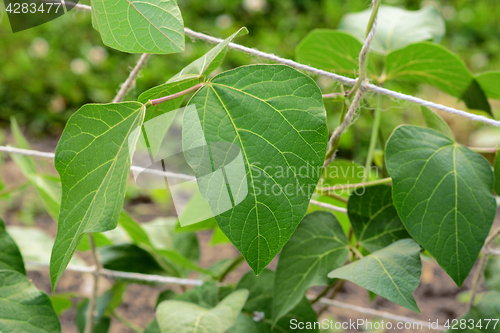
(48, 72)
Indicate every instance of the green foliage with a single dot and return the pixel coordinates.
(11, 257)
(434, 121)
(153, 26)
(179, 316)
(396, 27)
(93, 160)
(236, 101)
(393, 272)
(483, 315)
(374, 218)
(442, 192)
(490, 83)
(317, 246)
(433, 64)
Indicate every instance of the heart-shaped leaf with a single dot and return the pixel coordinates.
(93, 160)
(433, 64)
(276, 116)
(134, 26)
(179, 316)
(24, 308)
(374, 218)
(442, 192)
(396, 27)
(11, 257)
(393, 272)
(317, 246)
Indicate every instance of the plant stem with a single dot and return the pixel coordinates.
(492, 237)
(93, 298)
(130, 82)
(236, 262)
(365, 184)
(173, 96)
(475, 283)
(14, 189)
(335, 144)
(336, 290)
(356, 252)
(337, 197)
(127, 323)
(373, 138)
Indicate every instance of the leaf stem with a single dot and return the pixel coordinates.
(336, 290)
(173, 96)
(93, 298)
(130, 81)
(475, 283)
(373, 139)
(357, 185)
(127, 323)
(236, 262)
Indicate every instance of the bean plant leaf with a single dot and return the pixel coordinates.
(490, 83)
(276, 116)
(24, 308)
(483, 315)
(317, 246)
(497, 172)
(434, 121)
(178, 316)
(396, 27)
(259, 303)
(11, 256)
(492, 272)
(442, 192)
(393, 272)
(133, 26)
(374, 218)
(93, 160)
(435, 65)
(331, 50)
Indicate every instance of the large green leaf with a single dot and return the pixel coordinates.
(93, 160)
(179, 316)
(482, 317)
(292, 140)
(317, 246)
(442, 192)
(151, 26)
(396, 27)
(374, 218)
(331, 50)
(435, 65)
(490, 82)
(393, 272)
(11, 257)
(24, 308)
(260, 300)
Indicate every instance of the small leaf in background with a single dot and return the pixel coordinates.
(442, 192)
(62, 302)
(256, 315)
(490, 82)
(374, 218)
(207, 295)
(396, 27)
(179, 316)
(317, 246)
(482, 317)
(231, 108)
(130, 258)
(333, 51)
(152, 26)
(434, 121)
(497, 173)
(11, 256)
(492, 272)
(24, 308)
(99, 240)
(93, 160)
(393, 272)
(435, 65)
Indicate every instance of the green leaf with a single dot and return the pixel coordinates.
(317, 246)
(48, 188)
(93, 160)
(434, 121)
(396, 27)
(99, 240)
(490, 83)
(62, 302)
(492, 272)
(179, 316)
(129, 258)
(134, 229)
(374, 218)
(294, 137)
(484, 314)
(331, 50)
(497, 172)
(442, 192)
(435, 65)
(152, 26)
(11, 256)
(24, 308)
(393, 272)
(260, 300)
